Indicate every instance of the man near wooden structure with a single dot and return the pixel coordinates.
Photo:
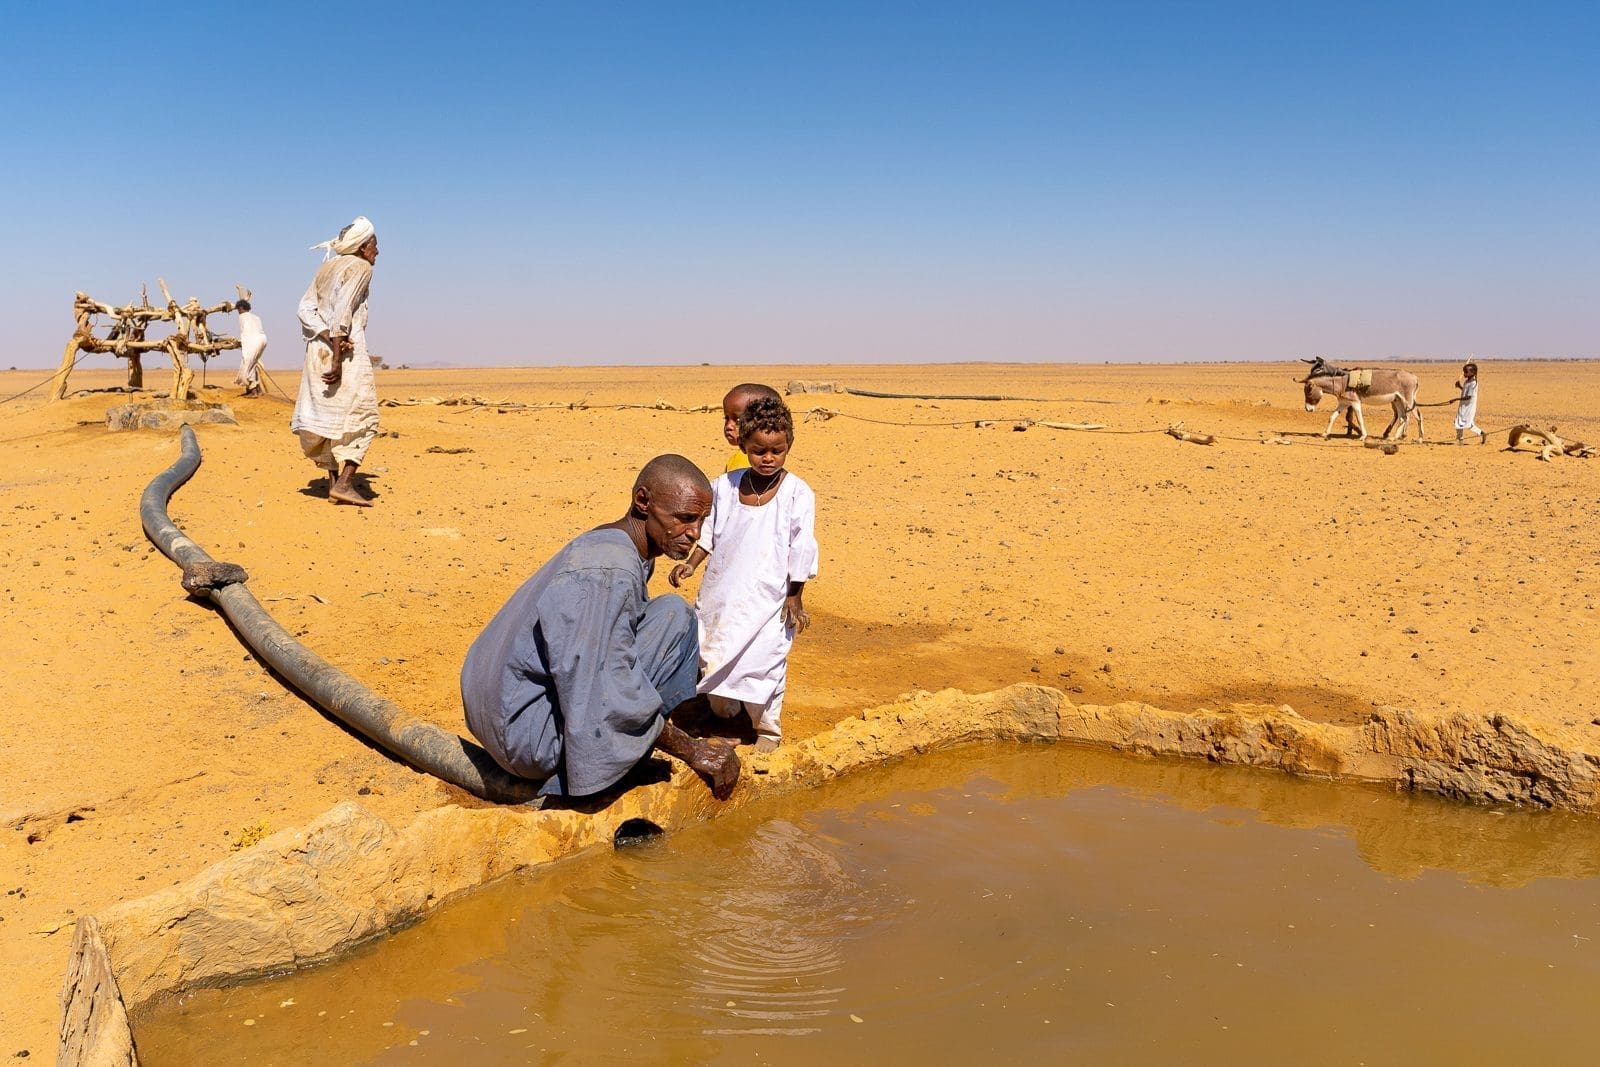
(336, 413)
(252, 344)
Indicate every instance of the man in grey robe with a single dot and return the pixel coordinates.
(573, 679)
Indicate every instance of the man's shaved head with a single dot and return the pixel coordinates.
(671, 498)
(669, 472)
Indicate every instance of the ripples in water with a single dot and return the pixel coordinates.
(753, 930)
(982, 906)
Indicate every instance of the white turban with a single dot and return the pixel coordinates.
(350, 238)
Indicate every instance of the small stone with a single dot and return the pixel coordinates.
(1060, 651)
(364, 791)
(1473, 630)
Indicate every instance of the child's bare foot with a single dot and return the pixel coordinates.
(765, 745)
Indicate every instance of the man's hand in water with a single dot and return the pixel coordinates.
(718, 764)
(714, 761)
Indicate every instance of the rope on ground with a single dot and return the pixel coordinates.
(1020, 422)
(47, 381)
(275, 384)
(467, 400)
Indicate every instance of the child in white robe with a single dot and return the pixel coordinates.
(763, 549)
(733, 406)
(1467, 409)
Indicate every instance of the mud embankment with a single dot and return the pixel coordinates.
(301, 896)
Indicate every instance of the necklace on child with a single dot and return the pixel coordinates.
(761, 497)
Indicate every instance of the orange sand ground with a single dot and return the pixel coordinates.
(142, 740)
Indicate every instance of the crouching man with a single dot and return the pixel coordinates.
(573, 679)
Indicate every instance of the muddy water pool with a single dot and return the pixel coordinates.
(1042, 901)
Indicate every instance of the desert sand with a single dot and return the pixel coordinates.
(963, 545)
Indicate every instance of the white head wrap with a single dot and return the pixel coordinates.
(350, 238)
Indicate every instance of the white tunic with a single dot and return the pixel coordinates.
(337, 303)
(755, 553)
(252, 343)
(1467, 410)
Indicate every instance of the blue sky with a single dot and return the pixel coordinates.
(748, 182)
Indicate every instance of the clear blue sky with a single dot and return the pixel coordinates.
(758, 182)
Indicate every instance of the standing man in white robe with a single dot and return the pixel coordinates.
(336, 414)
(252, 344)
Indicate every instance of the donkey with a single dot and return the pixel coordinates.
(1349, 388)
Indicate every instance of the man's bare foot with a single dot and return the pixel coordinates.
(346, 494)
(718, 764)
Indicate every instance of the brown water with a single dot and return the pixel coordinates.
(1048, 902)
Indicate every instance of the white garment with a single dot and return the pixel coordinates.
(337, 303)
(349, 240)
(1467, 410)
(755, 552)
(252, 343)
(766, 718)
(331, 453)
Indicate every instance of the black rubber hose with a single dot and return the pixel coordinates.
(974, 396)
(419, 743)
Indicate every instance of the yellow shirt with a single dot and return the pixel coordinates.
(737, 461)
